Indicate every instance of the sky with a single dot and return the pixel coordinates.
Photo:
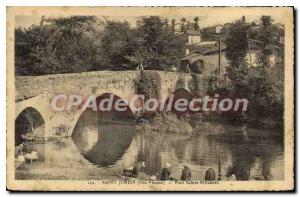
(205, 20)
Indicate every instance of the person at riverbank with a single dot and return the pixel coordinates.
(231, 178)
(138, 168)
(135, 170)
(19, 150)
(210, 175)
(186, 174)
(166, 173)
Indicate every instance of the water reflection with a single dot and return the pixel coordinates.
(100, 149)
(110, 145)
(100, 142)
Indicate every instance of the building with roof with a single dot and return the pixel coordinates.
(193, 37)
(203, 57)
(213, 29)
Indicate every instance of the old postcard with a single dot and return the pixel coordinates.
(150, 98)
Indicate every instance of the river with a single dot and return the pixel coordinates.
(100, 150)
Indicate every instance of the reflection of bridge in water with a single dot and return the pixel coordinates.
(34, 93)
(114, 146)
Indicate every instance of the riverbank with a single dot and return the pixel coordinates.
(168, 123)
(262, 123)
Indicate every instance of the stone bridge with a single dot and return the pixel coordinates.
(34, 94)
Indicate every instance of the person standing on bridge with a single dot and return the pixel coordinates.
(140, 67)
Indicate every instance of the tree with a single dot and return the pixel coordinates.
(188, 26)
(267, 35)
(117, 45)
(265, 93)
(61, 46)
(173, 23)
(267, 83)
(84, 43)
(183, 26)
(157, 47)
(196, 25)
(237, 47)
(26, 40)
(166, 23)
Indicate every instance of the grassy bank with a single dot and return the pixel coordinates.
(168, 123)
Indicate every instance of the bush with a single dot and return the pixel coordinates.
(197, 85)
(149, 84)
(169, 123)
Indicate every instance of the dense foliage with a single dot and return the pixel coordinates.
(149, 84)
(158, 47)
(80, 43)
(237, 48)
(262, 85)
(268, 34)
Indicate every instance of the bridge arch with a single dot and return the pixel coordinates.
(111, 115)
(29, 121)
(179, 93)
